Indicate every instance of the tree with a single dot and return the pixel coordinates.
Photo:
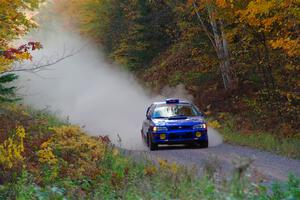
(15, 21)
(132, 32)
(7, 93)
(273, 28)
(264, 38)
(150, 30)
(213, 26)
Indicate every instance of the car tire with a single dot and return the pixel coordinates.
(152, 146)
(203, 144)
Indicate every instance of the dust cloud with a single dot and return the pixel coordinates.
(88, 90)
(214, 137)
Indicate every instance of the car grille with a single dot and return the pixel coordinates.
(173, 128)
(173, 136)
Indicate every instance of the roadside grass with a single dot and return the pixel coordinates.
(289, 147)
(51, 118)
(59, 161)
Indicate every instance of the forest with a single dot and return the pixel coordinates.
(239, 59)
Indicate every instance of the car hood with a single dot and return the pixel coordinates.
(190, 121)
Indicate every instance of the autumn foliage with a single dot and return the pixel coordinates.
(238, 57)
(15, 21)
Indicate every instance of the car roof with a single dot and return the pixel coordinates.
(164, 102)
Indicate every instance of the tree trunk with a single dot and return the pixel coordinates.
(227, 67)
(220, 45)
(221, 50)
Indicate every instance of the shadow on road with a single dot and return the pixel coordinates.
(178, 147)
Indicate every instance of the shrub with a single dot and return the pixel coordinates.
(78, 153)
(11, 149)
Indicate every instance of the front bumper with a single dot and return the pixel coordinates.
(180, 137)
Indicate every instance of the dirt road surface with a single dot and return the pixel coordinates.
(265, 166)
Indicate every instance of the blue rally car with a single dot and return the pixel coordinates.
(174, 122)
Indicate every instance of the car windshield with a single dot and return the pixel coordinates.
(174, 110)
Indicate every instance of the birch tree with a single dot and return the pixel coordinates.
(214, 29)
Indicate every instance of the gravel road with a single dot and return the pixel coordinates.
(264, 167)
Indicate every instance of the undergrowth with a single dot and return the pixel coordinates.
(59, 161)
(278, 144)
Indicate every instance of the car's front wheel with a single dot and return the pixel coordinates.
(152, 146)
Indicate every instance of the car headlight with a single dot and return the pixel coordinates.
(159, 129)
(200, 126)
